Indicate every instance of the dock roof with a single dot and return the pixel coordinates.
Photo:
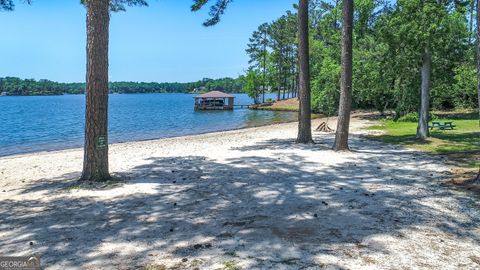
(215, 94)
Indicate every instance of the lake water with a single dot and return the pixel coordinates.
(43, 123)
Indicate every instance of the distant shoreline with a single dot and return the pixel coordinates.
(30, 87)
(66, 94)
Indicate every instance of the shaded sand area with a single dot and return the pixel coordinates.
(244, 199)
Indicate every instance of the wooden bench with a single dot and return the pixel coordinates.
(442, 125)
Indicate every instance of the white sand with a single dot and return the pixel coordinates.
(249, 198)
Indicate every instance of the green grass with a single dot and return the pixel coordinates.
(464, 138)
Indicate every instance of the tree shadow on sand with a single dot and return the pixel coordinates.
(268, 212)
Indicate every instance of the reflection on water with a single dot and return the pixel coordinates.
(255, 118)
(29, 124)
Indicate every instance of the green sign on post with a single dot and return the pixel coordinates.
(102, 142)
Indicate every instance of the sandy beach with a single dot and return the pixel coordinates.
(250, 199)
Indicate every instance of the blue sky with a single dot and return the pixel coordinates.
(163, 42)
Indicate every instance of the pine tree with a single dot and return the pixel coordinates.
(95, 167)
(478, 58)
(292, 53)
(279, 44)
(304, 115)
(343, 125)
(257, 50)
(8, 5)
(216, 10)
(95, 160)
(426, 70)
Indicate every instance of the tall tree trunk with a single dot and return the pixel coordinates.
(345, 106)
(263, 93)
(422, 129)
(294, 76)
(297, 82)
(279, 87)
(264, 78)
(335, 24)
(95, 164)
(279, 82)
(470, 26)
(304, 114)
(478, 58)
(264, 66)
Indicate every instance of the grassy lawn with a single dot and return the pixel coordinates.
(465, 138)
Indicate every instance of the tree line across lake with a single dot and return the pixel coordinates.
(29, 87)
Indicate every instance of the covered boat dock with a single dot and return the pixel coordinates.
(214, 100)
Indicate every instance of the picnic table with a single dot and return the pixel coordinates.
(442, 125)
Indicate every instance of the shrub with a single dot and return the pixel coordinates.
(413, 117)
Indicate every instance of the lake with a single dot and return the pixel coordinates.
(44, 123)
